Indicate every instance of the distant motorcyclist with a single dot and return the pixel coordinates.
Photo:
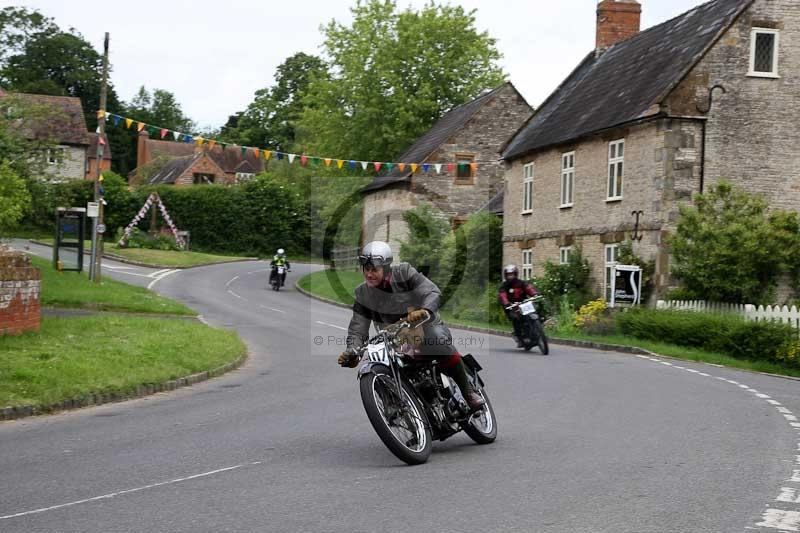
(514, 290)
(393, 292)
(279, 259)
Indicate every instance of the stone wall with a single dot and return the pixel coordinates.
(661, 171)
(382, 215)
(72, 166)
(753, 137)
(204, 165)
(19, 293)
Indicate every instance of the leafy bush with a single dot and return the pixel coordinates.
(567, 283)
(426, 232)
(140, 239)
(729, 247)
(487, 309)
(728, 334)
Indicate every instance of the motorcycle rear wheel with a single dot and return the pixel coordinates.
(405, 431)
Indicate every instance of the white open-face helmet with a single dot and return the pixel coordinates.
(376, 254)
(280, 251)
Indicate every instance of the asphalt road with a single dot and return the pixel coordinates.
(588, 441)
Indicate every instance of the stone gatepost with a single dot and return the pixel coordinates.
(20, 283)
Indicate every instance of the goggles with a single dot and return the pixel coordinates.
(374, 260)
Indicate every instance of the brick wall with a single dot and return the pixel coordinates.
(19, 293)
(617, 20)
(204, 165)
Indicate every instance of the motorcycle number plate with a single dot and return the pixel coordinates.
(377, 353)
(280, 270)
(527, 308)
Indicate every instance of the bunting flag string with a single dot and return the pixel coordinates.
(305, 159)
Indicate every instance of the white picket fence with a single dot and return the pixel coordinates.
(784, 314)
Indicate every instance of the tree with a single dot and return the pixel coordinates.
(729, 248)
(18, 26)
(392, 75)
(160, 108)
(14, 197)
(426, 232)
(270, 119)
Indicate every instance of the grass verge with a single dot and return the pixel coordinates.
(74, 290)
(72, 357)
(168, 258)
(317, 283)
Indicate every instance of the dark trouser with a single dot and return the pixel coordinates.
(437, 344)
(516, 321)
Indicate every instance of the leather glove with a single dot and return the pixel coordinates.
(348, 359)
(416, 315)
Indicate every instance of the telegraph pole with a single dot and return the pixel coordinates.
(98, 228)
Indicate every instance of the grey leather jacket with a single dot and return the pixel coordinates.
(406, 288)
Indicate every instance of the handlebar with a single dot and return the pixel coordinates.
(536, 298)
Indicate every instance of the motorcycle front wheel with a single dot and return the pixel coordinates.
(399, 422)
(482, 425)
(544, 346)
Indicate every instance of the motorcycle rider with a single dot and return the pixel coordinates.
(514, 290)
(279, 259)
(392, 292)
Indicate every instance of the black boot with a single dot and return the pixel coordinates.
(459, 374)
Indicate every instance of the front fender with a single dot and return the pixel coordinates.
(369, 368)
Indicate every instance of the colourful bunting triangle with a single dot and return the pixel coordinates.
(164, 132)
(128, 122)
(377, 165)
(352, 165)
(364, 165)
(389, 166)
(279, 155)
(176, 135)
(140, 126)
(425, 167)
(303, 160)
(339, 163)
(401, 166)
(255, 152)
(117, 120)
(414, 167)
(438, 168)
(267, 154)
(244, 150)
(473, 167)
(291, 158)
(327, 162)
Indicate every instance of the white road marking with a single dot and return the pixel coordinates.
(233, 293)
(234, 278)
(159, 272)
(162, 276)
(762, 396)
(790, 417)
(788, 495)
(692, 370)
(783, 410)
(272, 309)
(665, 363)
(774, 402)
(331, 325)
(795, 476)
(703, 374)
(782, 520)
(127, 491)
(116, 267)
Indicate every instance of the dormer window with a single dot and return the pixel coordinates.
(764, 46)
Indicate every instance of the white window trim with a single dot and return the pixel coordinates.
(609, 264)
(527, 263)
(612, 162)
(563, 255)
(753, 35)
(564, 173)
(527, 188)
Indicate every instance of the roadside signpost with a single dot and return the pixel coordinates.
(626, 285)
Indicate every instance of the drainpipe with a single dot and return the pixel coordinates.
(704, 129)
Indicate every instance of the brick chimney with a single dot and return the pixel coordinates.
(142, 156)
(617, 20)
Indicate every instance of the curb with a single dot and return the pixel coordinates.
(320, 298)
(120, 259)
(591, 345)
(100, 398)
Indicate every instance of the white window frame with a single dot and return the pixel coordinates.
(567, 179)
(527, 263)
(55, 156)
(563, 254)
(610, 259)
(754, 32)
(528, 172)
(616, 170)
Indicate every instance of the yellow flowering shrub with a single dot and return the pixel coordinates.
(590, 313)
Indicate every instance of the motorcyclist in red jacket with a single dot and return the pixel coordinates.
(514, 290)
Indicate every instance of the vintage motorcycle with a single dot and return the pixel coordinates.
(532, 329)
(410, 402)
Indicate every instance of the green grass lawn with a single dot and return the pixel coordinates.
(72, 357)
(74, 290)
(167, 258)
(318, 283)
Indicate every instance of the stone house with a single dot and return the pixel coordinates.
(464, 171)
(647, 120)
(60, 121)
(188, 164)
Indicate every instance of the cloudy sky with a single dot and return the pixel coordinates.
(214, 55)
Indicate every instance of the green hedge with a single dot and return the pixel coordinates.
(728, 334)
(251, 219)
